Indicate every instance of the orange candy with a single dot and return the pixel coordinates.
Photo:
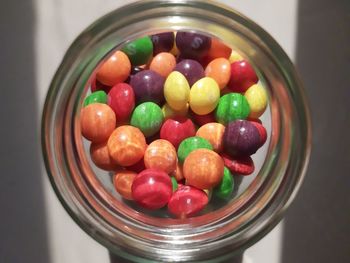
(115, 69)
(161, 155)
(123, 180)
(126, 145)
(97, 122)
(101, 158)
(220, 70)
(163, 64)
(218, 50)
(178, 174)
(212, 132)
(203, 169)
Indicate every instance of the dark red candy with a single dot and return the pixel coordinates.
(121, 99)
(187, 201)
(262, 131)
(191, 69)
(203, 119)
(177, 129)
(239, 165)
(242, 76)
(192, 45)
(162, 42)
(137, 167)
(148, 86)
(96, 85)
(241, 138)
(152, 189)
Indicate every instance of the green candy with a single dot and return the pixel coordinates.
(190, 144)
(225, 188)
(139, 51)
(175, 184)
(96, 97)
(231, 107)
(148, 117)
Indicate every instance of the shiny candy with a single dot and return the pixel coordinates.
(161, 155)
(203, 169)
(242, 165)
(97, 122)
(220, 70)
(96, 97)
(241, 138)
(190, 144)
(231, 107)
(225, 188)
(213, 132)
(169, 112)
(148, 86)
(101, 158)
(115, 70)
(162, 42)
(175, 130)
(204, 96)
(148, 117)
(191, 69)
(152, 189)
(257, 100)
(176, 90)
(242, 76)
(218, 50)
(121, 99)
(187, 201)
(122, 181)
(126, 145)
(139, 51)
(192, 45)
(163, 64)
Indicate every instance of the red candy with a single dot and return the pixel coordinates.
(187, 201)
(240, 165)
(152, 189)
(203, 119)
(262, 132)
(177, 129)
(137, 167)
(121, 99)
(242, 76)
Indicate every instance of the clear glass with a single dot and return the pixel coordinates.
(209, 237)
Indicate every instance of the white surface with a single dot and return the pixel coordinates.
(58, 23)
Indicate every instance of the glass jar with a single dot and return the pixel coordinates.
(212, 236)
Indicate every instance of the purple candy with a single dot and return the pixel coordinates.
(192, 45)
(241, 138)
(148, 86)
(191, 69)
(162, 42)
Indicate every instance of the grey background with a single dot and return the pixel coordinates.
(317, 224)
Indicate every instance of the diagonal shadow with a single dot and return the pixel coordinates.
(317, 226)
(22, 221)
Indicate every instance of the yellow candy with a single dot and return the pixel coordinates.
(235, 56)
(257, 100)
(168, 112)
(176, 90)
(204, 96)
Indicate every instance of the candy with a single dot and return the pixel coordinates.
(204, 96)
(162, 42)
(121, 99)
(192, 45)
(243, 165)
(257, 100)
(220, 70)
(137, 167)
(176, 90)
(126, 145)
(174, 183)
(203, 169)
(231, 107)
(148, 86)
(97, 85)
(161, 155)
(191, 69)
(97, 122)
(178, 174)
(152, 189)
(241, 138)
(169, 112)
(96, 97)
(235, 56)
(139, 51)
(177, 129)
(262, 132)
(163, 64)
(225, 188)
(148, 117)
(218, 50)
(242, 76)
(213, 132)
(101, 158)
(122, 181)
(187, 201)
(203, 119)
(115, 70)
(190, 144)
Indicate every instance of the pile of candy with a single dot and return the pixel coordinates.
(175, 116)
